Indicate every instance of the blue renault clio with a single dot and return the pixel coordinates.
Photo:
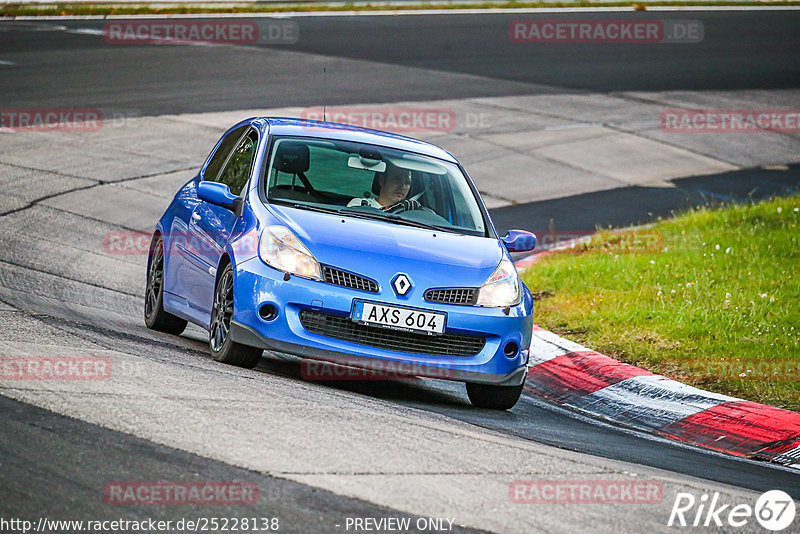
(352, 246)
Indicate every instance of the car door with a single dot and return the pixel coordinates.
(210, 226)
(181, 271)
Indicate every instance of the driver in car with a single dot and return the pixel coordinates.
(394, 184)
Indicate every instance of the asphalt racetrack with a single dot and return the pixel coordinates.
(320, 453)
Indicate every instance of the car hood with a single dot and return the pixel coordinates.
(381, 249)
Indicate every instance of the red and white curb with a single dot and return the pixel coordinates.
(569, 374)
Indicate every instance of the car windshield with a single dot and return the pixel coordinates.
(369, 181)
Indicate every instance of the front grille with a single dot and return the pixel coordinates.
(455, 295)
(342, 278)
(341, 327)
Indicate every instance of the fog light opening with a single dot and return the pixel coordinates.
(511, 349)
(268, 312)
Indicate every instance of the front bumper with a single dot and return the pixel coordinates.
(256, 284)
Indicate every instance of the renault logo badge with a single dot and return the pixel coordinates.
(401, 284)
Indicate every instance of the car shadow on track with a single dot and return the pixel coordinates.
(403, 389)
(411, 390)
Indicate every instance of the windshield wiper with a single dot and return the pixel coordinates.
(377, 216)
(391, 217)
(298, 205)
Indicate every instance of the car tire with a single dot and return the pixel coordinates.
(493, 397)
(223, 348)
(155, 318)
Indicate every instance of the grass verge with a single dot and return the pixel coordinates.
(710, 298)
(102, 8)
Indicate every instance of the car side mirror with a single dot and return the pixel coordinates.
(219, 195)
(519, 241)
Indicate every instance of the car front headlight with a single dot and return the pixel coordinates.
(281, 249)
(502, 288)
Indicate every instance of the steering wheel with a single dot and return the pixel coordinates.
(402, 209)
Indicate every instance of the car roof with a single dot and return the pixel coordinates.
(345, 132)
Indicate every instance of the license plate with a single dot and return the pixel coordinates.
(398, 318)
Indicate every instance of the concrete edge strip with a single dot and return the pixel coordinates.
(393, 13)
(574, 376)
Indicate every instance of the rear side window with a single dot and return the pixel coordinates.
(221, 154)
(237, 170)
